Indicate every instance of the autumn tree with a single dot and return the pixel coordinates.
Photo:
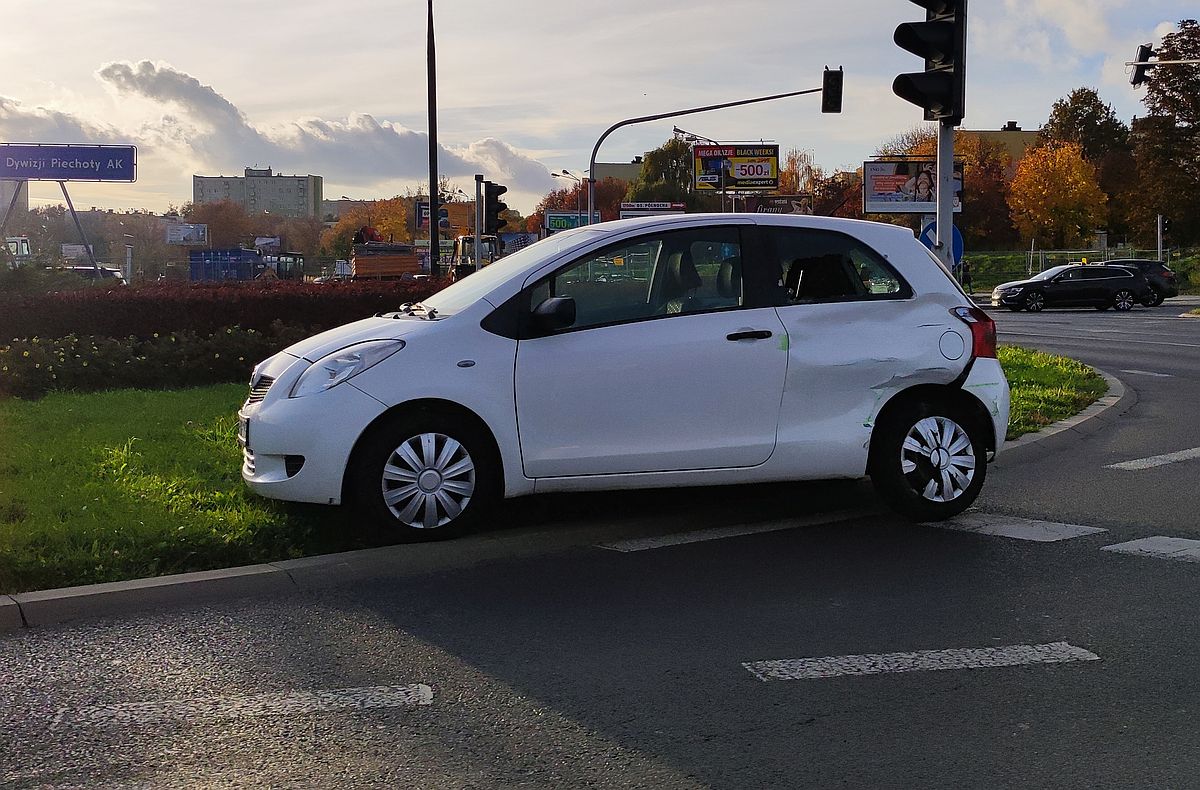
(667, 176)
(1173, 91)
(606, 197)
(796, 173)
(1055, 198)
(228, 223)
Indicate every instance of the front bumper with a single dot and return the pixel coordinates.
(297, 449)
(1001, 299)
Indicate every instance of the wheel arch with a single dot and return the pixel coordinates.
(948, 394)
(429, 406)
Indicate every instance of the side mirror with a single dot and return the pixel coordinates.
(555, 313)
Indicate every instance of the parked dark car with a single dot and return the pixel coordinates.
(1163, 282)
(1098, 286)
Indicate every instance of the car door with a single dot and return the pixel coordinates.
(667, 366)
(1066, 289)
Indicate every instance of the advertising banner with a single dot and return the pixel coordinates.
(779, 204)
(52, 162)
(184, 234)
(905, 186)
(456, 217)
(732, 168)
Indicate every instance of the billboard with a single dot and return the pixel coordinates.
(732, 168)
(53, 162)
(779, 204)
(182, 233)
(905, 186)
(554, 221)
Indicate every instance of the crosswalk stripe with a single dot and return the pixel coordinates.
(1152, 461)
(1013, 527)
(1161, 547)
(917, 661)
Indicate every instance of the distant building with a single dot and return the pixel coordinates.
(7, 188)
(259, 190)
(1015, 140)
(627, 172)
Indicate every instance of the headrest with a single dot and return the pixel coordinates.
(681, 273)
(729, 277)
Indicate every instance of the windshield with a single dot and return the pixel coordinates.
(469, 290)
(1046, 275)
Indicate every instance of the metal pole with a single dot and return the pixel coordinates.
(1159, 224)
(435, 236)
(659, 117)
(79, 227)
(478, 218)
(944, 226)
(12, 205)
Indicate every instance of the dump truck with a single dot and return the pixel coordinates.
(373, 258)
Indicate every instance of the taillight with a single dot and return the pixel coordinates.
(983, 330)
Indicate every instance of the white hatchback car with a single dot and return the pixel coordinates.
(695, 350)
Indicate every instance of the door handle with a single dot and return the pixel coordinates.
(749, 334)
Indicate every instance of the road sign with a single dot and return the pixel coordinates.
(52, 162)
(928, 237)
(554, 221)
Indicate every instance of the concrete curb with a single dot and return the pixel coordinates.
(1099, 415)
(48, 607)
(1189, 315)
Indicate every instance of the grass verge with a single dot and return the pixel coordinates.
(1046, 388)
(132, 483)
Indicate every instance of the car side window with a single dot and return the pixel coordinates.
(677, 272)
(821, 266)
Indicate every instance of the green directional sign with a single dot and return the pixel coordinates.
(555, 221)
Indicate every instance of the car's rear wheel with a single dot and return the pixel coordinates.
(424, 476)
(1153, 299)
(1035, 301)
(928, 460)
(1123, 300)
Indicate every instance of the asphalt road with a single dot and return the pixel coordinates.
(917, 656)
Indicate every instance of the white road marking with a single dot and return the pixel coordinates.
(1019, 528)
(1157, 460)
(1160, 547)
(1084, 341)
(281, 703)
(918, 661)
(720, 533)
(1148, 373)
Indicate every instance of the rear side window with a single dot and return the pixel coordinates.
(826, 266)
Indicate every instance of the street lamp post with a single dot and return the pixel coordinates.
(578, 196)
(435, 234)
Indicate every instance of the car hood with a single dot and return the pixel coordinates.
(317, 346)
(1015, 283)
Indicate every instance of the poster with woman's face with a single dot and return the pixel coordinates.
(905, 187)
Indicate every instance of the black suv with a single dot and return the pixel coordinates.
(1096, 286)
(1163, 282)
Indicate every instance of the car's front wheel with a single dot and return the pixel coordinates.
(1123, 300)
(928, 460)
(1035, 301)
(424, 476)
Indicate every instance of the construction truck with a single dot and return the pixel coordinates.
(463, 262)
(373, 258)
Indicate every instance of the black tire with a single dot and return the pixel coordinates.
(1153, 299)
(1035, 301)
(464, 473)
(912, 481)
(1123, 300)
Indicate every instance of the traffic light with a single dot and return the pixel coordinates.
(1144, 53)
(492, 207)
(942, 40)
(831, 90)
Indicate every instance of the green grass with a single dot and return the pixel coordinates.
(1046, 388)
(130, 483)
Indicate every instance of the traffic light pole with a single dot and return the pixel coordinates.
(944, 246)
(478, 217)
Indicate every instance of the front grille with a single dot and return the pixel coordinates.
(259, 390)
(248, 461)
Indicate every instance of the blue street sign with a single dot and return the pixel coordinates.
(52, 162)
(928, 238)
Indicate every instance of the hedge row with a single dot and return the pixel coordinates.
(202, 308)
(31, 368)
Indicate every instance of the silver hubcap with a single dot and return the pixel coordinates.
(428, 480)
(1035, 302)
(1124, 300)
(938, 459)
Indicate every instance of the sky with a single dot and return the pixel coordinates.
(524, 88)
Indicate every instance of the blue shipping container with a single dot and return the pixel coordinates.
(235, 264)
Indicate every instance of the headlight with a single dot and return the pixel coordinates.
(343, 365)
(1012, 291)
